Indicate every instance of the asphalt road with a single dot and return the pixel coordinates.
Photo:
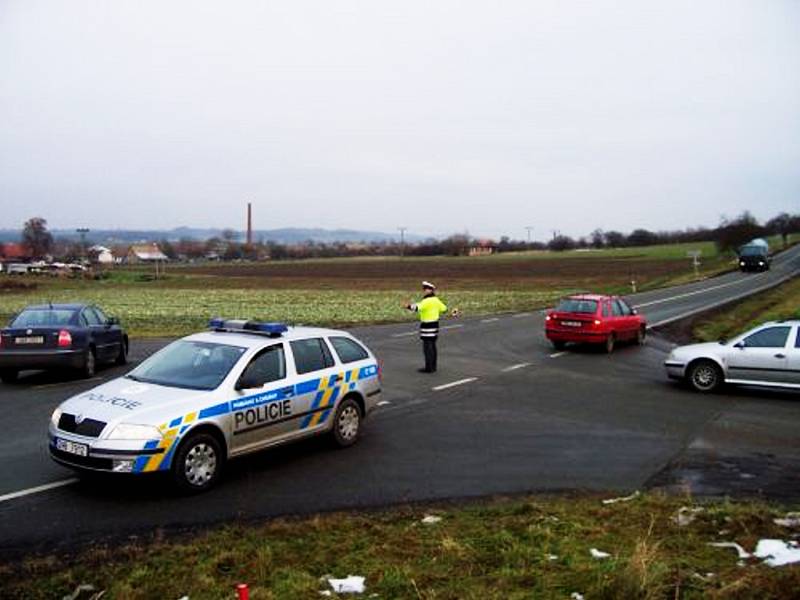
(504, 415)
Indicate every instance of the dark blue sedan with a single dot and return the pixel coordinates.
(61, 336)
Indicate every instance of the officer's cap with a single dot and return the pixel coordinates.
(429, 285)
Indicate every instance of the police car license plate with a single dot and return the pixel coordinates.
(36, 339)
(571, 323)
(72, 447)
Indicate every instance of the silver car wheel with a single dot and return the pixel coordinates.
(348, 423)
(704, 377)
(200, 464)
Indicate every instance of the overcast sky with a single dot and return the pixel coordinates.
(439, 116)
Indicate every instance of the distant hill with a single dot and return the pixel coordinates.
(289, 235)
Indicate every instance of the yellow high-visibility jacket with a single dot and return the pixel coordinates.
(429, 308)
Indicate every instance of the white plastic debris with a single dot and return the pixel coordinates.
(576, 596)
(352, 584)
(552, 557)
(86, 587)
(777, 553)
(598, 553)
(431, 519)
(741, 552)
(686, 515)
(791, 519)
(325, 593)
(622, 499)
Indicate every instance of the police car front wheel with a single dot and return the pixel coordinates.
(347, 423)
(198, 463)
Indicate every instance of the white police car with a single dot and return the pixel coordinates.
(240, 387)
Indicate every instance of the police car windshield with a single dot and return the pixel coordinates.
(189, 364)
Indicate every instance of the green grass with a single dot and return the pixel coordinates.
(535, 547)
(163, 311)
(782, 302)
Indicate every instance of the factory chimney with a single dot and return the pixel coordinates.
(249, 224)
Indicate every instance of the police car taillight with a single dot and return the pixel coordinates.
(64, 339)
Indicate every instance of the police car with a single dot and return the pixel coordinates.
(237, 388)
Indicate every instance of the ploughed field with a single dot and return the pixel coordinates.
(341, 292)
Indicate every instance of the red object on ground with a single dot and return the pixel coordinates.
(593, 319)
(243, 591)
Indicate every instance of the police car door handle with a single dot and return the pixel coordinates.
(335, 378)
(288, 391)
(779, 355)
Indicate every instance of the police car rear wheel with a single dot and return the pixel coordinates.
(198, 463)
(347, 423)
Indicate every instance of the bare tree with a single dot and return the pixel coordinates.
(36, 238)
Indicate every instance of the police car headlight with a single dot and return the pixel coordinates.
(125, 431)
(55, 417)
(741, 263)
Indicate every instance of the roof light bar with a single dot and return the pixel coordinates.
(244, 326)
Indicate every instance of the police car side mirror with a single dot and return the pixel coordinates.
(247, 382)
(740, 345)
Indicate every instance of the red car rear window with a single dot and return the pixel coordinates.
(575, 305)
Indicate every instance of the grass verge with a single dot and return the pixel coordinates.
(782, 302)
(534, 547)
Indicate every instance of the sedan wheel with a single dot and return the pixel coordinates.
(347, 423)
(197, 464)
(705, 376)
(89, 364)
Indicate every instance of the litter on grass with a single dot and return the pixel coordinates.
(791, 519)
(777, 553)
(598, 553)
(431, 519)
(352, 584)
(686, 515)
(741, 552)
(622, 499)
(552, 557)
(86, 587)
(576, 596)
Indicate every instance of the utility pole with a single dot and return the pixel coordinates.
(402, 241)
(529, 228)
(556, 233)
(82, 231)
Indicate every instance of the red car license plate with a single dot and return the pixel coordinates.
(35, 339)
(72, 447)
(571, 323)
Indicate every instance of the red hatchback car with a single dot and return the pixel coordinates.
(594, 319)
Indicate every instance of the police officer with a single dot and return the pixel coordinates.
(430, 308)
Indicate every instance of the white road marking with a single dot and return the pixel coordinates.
(707, 307)
(451, 327)
(557, 354)
(406, 334)
(492, 320)
(694, 293)
(454, 384)
(38, 488)
(383, 403)
(518, 315)
(515, 367)
(60, 383)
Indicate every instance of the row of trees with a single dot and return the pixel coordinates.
(730, 234)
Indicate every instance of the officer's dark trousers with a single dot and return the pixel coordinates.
(429, 331)
(429, 349)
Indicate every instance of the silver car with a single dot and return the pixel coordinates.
(235, 389)
(766, 356)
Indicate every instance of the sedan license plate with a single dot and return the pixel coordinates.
(72, 447)
(571, 323)
(35, 339)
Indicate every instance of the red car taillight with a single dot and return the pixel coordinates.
(64, 339)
